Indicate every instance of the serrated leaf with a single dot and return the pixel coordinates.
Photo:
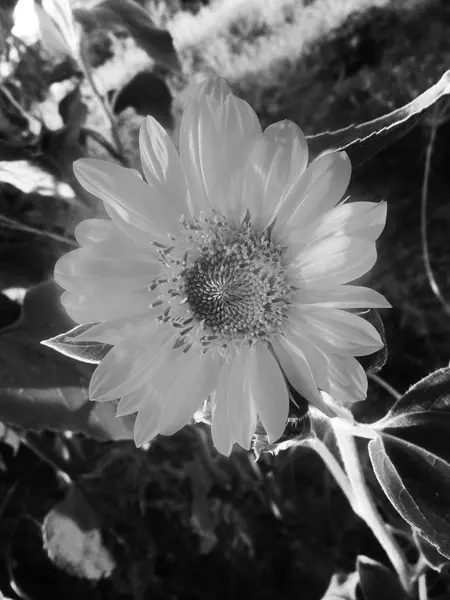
(158, 43)
(411, 458)
(73, 541)
(41, 389)
(433, 558)
(377, 581)
(84, 351)
(367, 139)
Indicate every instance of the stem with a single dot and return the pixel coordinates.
(103, 105)
(365, 506)
(385, 385)
(334, 467)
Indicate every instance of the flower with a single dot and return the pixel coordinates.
(224, 275)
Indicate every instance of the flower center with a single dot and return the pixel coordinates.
(233, 281)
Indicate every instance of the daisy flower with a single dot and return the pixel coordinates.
(224, 275)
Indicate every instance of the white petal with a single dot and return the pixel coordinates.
(130, 365)
(298, 372)
(220, 428)
(365, 220)
(241, 410)
(162, 166)
(133, 202)
(146, 424)
(93, 307)
(92, 269)
(132, 402)
(114, 332)
(348, 380)
(194, 378)
(319, 189)
(216, 133)
(333, 261)
(343, 296)
(268, 392)
(336, 330)
(276, 162)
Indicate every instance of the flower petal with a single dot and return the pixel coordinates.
(268, 391)
(162, 166)
(317, 191)
(336, 330)
(216, 133)
(276, 162)
(146, 424)
(131, 364)
(241, 409)
(220, 428)
(333, 261)
(365, 220)
(343, 296)
(298, 372)
(194, 378)
(115, 331)
(92, 307)
(131, 201)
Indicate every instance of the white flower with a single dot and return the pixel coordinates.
(224, 275)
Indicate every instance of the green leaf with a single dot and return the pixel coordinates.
(158, 43)
(377, 581)
(73, 541)
(67, 344)
(41, 389)
(433, 558)
(411, 458)
(367, 139)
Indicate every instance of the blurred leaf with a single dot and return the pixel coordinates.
(156, 42)
(201, 515)
(67, 344)
(51, 38)
(9, 437)
(375, 362)
(40, 389)
(73, 541)
(433, 558)
(367, 139)
(342, 587)
(377, 581)
(73, 112)
(411, 458)
(61, 13)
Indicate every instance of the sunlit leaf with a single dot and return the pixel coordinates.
(411, 458)
(67, 344)
(377, 581)
(9, 437)
(364, 140)
(42, 389)
(433, 558)
(73, 540)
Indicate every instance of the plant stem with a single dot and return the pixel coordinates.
(103, 105)
(364, 506)
(333, 466)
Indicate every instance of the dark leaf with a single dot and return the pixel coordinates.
(367, 139)
(156, 42)
(411, 458)
(41, 389)
(342, 587)
(73, 541)
(377, 581)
